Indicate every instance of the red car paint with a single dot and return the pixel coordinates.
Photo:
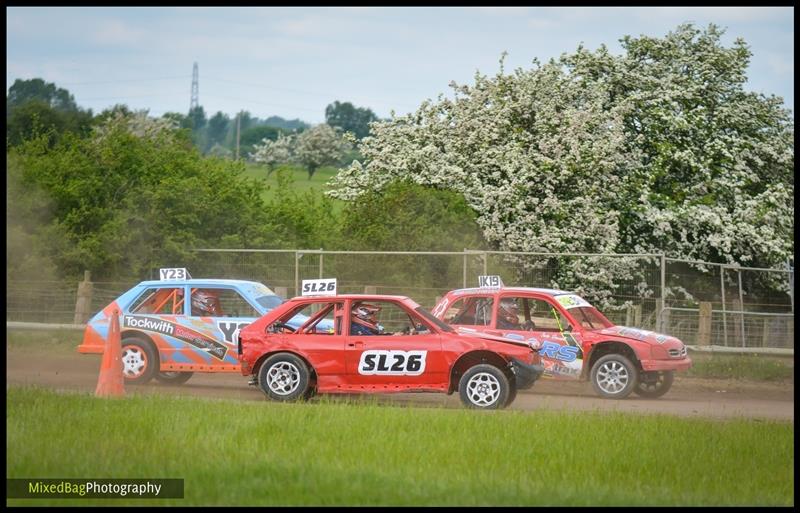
(336, 359)
(650, 351)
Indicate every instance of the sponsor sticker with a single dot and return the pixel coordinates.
(571, 301)
(202, 342)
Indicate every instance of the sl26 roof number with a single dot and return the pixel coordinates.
(317, 286)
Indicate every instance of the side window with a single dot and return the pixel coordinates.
(311, 319)
(384, 318)
(154, 300)
(211, 302)
(545, 317)
(472, 311)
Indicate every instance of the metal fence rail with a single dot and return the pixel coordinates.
(704, 304)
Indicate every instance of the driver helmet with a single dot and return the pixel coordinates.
(205, 302)
(509, 311)
(366, 315)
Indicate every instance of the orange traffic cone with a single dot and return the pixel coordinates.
(111, 383)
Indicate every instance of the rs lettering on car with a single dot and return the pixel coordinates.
(392, 363)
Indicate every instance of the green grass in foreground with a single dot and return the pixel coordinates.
(340, 453)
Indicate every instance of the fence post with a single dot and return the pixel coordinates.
(765, 332)
(83, 305)
(704, 328)
(661, 304)
(637, 315)
(659, 311)
(370, 289)
(737, 327)
(485, 263)
(465, 268)
(282, 292)
(629, 316)
(297, 256)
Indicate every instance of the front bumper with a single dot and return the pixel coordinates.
(525, 374)
(667, 365)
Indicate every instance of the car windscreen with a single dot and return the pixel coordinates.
(269, 302)
(590, 318)
(433, 320)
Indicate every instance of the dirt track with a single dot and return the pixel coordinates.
(689, 396)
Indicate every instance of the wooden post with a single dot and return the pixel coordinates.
(765, 333)
(282, 292)
(83, 305)
(629, 316)
(370, 289)
(637, 315)
(704, 329)
(737, 327)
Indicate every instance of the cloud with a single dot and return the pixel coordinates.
(117, 33)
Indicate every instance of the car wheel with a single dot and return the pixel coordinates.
(512, 394)
(173, 377)
(484, 387)
(654, 384)
(139, 361)
(284, 377)
(613, 376)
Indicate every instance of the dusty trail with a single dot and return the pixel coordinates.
(689, 397)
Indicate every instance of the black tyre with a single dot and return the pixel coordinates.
(484, 387)
(139, 361)
(614, 376)
(512, 394)
(654, 384)
(284, 377)
(173, 377)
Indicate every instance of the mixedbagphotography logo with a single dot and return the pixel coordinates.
(94, 488)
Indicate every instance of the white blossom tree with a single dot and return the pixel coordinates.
(319, 146)
(659, 149)
(138, 123)
(271, 153)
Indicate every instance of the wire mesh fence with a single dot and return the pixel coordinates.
(701, 303)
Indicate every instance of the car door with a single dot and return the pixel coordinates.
(405, 353)
(539, 319)
(215, 315)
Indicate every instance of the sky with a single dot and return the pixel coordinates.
(293, 62)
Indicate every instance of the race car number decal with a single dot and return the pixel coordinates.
(230, 330)
(178, 273)
(392, 363)
(325, 287)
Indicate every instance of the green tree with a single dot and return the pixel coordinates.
(350, 118)
(405, 216)
(135, 195)
(217, 128)
(37, 117)
(256, 135)
(23, 91)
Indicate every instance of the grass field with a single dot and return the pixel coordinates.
(340, 453)
(301, 182)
